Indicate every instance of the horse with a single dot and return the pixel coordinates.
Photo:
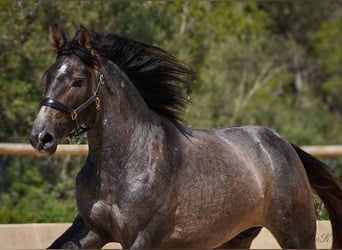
(151, 182)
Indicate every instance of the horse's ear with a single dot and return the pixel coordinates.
(84, 38)
(57, 38)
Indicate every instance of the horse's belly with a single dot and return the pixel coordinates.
(210, 228)
(205, 238)
(207, 217)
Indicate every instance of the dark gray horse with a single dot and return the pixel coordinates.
(150, 182)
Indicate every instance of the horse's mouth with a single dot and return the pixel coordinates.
(49, 148)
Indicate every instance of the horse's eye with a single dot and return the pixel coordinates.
(77, 82)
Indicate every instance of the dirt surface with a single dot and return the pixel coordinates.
(40, 236)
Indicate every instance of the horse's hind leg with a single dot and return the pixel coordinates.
(296, 230)
(242, 240)
(295, 238)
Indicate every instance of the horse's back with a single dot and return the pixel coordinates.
(263, 148)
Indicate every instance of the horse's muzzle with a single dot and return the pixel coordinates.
(43, 141)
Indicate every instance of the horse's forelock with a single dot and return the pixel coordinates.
(73, 47)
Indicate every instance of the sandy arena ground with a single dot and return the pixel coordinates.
(39, 236)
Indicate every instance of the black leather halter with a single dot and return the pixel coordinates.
(78, 129)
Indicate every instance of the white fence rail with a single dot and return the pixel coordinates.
(328, 151)
(27, 149)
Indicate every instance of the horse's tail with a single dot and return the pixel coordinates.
(327, 188)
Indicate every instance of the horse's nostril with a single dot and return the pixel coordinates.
(47, 138)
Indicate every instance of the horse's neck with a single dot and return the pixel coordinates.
(117, 154)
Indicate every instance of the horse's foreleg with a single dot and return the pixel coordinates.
(78, 235)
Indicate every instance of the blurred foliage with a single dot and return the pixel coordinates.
(43, 192)
(271, 63)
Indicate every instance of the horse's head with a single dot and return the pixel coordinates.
(71, 87)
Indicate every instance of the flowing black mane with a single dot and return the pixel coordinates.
(161, 79)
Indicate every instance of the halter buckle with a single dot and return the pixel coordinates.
(97, 104)
(101, 79)
(74, 115)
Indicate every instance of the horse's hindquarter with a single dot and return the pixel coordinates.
(220, 193)
(226, 183)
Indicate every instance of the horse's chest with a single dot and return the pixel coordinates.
(113, 211)
(119, 207)
(92, 201)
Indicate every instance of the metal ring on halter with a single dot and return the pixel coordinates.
(74, 115)
(97, 103)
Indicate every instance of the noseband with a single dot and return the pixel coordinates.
(78, 129)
